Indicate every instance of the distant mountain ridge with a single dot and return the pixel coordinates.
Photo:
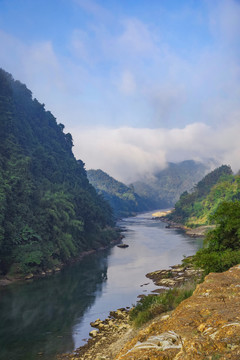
(122, 198)
(161, 191)
(197, 207)
(165, 187)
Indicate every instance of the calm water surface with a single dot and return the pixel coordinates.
(42, 318)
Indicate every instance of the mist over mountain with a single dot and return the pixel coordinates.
(166, 186)
(122, 198)
(197, 207)
(156, 192)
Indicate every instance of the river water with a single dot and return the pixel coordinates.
(44, 317)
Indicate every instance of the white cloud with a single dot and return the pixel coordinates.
(121, 71)
(129, 154)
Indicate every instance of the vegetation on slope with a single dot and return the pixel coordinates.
(164, 188)
(49, 212)
(214, 200)
(195, 208)
(122, 198)
(152, 305)
(222, 244)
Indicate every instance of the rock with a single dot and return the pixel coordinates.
(101, 326)
(29, 276)
(201, 327)
(93, 333)
(96, 323)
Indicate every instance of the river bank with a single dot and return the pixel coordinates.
(199, 231)
(204, 326)
(8, 280)
(110, 335)
(60, 308)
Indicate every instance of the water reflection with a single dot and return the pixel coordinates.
(37, 318)
(52, 315)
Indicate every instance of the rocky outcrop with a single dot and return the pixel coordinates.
(175, 277)
(205, 326)
(107, 338)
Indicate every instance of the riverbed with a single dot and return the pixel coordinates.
(45, 317)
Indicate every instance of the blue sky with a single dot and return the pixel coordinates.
(137, 82)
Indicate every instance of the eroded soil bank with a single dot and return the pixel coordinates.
(205, 326)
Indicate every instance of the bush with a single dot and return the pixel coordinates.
(152, 305)
(216, 261)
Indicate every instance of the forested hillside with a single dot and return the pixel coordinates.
(197, 207)
(165, 188)
(122, 198)
(49, 212)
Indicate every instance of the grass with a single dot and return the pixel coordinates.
(153, 305)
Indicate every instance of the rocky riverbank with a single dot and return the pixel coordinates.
(176, 276)
(107, 338)
(205, 326)
(110, 335)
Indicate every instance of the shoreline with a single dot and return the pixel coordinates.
(115, 331)
(199, 231)
(8, 280)
(111, 334)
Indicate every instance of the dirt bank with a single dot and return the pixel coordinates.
(205, 326)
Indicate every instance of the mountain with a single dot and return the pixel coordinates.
(197, 207)
(122, 198)
(165, 188)
(49, 213)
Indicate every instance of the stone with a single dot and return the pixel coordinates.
(28, 277)
(201, 327)
(93, 333)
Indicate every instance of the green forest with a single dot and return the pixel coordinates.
(196, 207)
(214, 200)
(156, 192)
(49, 213)
(122, 198)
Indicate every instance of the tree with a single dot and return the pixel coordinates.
(227, 233)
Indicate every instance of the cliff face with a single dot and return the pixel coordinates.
(205, 326)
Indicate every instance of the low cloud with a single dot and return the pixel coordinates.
(131, 154)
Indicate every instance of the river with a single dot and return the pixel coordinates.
(43, 317)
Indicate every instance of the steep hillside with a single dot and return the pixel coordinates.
(165, 188)
(197, 207)
(122, 198)
(49, 212)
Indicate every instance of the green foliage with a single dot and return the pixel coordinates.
(152, 305)
(196, 208)
(49, 212)
(222, 243)
(122, 198)
(227, 233)
(216, 261)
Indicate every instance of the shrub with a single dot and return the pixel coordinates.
(152, 305)
(216, 261)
